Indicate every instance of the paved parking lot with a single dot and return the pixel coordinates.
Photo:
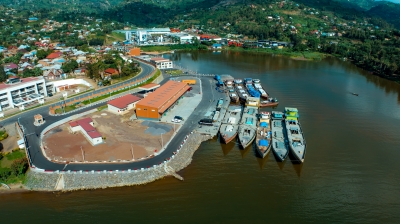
(187, 104)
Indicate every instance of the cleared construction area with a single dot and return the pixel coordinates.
(124, 140)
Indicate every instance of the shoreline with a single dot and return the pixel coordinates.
(40, 181)
(15, 188)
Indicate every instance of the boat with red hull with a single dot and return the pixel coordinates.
(271, 102)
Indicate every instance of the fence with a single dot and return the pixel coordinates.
(103, 91)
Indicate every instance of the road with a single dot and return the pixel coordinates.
(40, 161)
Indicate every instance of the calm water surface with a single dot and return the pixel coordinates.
(351, 173)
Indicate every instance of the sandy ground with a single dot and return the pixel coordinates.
(15, 188)
(122, 138)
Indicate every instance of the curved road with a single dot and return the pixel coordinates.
(40, 161)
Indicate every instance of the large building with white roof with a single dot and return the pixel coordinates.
(20, 92)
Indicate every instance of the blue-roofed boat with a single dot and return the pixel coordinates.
(264, 135)
(248, 81)
(248, 126)
(252, 91)
(297, 143)
(280, 146)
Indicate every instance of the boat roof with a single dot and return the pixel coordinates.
(280, 145)
(278, 134)
(291, 109)
(278, 124)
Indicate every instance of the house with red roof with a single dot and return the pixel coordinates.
(110, 72)
(54, 55)
(86, 127)
(123, 104)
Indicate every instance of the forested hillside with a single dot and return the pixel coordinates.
(83, 6)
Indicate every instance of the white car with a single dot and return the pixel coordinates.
(176, 120)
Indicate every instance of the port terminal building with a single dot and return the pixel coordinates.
(123, 104)
(156, 104)
(161, 63)
(20, 92)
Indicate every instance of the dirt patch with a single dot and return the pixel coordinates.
(10, 143)
(15, 188)
(287, 12)
(122, 138)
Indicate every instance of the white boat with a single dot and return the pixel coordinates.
(248, 126)
(280, 147)
(230, 123)
(297, 143)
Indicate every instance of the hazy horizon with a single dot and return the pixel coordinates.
(395, 1)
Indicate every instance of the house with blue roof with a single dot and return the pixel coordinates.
(216, 46)
(33, 19)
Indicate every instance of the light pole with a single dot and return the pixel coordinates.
(162, 142)
(133, 158)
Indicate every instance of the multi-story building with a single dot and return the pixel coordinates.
(19, 92)
(162, 63)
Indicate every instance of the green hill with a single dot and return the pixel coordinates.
(387, 11)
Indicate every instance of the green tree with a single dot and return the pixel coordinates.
(4, 173)
(37, 71)
(28, 73)
(3, 76)
(41, 54)
(19, 166)
(69, 66)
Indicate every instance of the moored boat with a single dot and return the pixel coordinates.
(253, 101)
(271, 102)
(253, 92)
(248, 126)
(241, 92)
(256, 80)
(234, 97)
(260, 89)
(297, 143)
(229, 83)
(230, 123)
(280, 147)
(263, 136)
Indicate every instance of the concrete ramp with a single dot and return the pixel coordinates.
(60, 183)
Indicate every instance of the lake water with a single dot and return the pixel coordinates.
(351, 172)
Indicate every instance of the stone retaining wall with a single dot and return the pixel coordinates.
(47, 181)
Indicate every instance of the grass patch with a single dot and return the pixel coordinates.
(174, 72)
(17, 154)
(170, 47)
(155, 48)
(119, 36)
(313, 55)
(3, 135)
(13, 167)
(102, 107)
(284, 52)
(66, 109)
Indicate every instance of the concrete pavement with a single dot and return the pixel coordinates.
(38, 160)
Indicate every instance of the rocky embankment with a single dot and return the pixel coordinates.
(94, 180)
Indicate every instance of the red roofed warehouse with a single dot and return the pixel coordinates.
(158, 102)
(85, 126)
(123, 104)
